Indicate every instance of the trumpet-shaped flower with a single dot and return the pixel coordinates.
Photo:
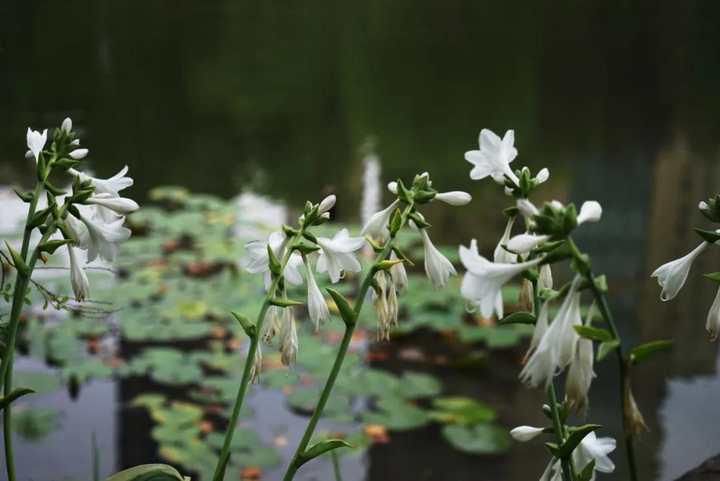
(377, 225)
(103, 237)
(483, 282)
(672, 275)
(437, 267)
(272, 324)
(541, 325)
(593, 448)
(494, 157)
(456, 197)
(580, 376)
(317, 307)
(525, 433)
(712, 325)
(501, 254)
(78, 278)
(36, 141)
(338, 254)
(558, 343)
(258, 262)
(111, 186)
(119, 205)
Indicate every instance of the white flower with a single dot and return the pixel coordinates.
(483, 282)
(289, 338)
(672, 275)
(456, 197)
(501, 254)
(525, 433)
(712, 325)
(590, 211)
(111, 186)
(258, 262)
(545, 279)
(527, 208)
(580, 375)
(385, 304)
(523, 243)
(78, 154)
(377, 225)
(494, 157)
(393, 187)
(102, 237)
(557, 345)
(75, 142)
(542, 176)
(592, 448)
(317, 307)
(67, 125)
(272, 324)
(337, 254)
(541, 325)
(398, 273)
(437, 267)
(36, 141)
(78, 278)
(119, 205)
(326, 204)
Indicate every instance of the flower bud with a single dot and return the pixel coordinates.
(634, 420)
(327, 203)
(67, 125)
(525, 433)
(456, 198)
(393, 187)
(75, 142)
(545, 279)
(527, 208)
(78, 154)
(542, 176)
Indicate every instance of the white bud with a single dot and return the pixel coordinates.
(542, 176)
(527, 208)
(67, 125)
(78, 154)
(75, 142)
(590, 211)
(456, 198)
(393, 187)
(525, 433)
(327, 203)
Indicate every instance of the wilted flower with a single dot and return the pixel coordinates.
(78, 278)
(712, 325)
(398, 273)
(377, 226)
(36, 142)
(385, 303)
(494, 157)
(272, 324)
(437, 267)
(525, 433)
(580, 376)
(317, 307)
(289, 337)
(338, 254)
(672, 275)
(633, 419)
(483, 281)
(526, 299)
(257, 260)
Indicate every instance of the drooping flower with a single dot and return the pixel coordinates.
(119, 205)
(580, 376)
(338, 254)
(712, 324)
(273, 323)
(525, 433)
(541, 325)
(672, 275)
(78, 278)
(558, 343)
(483, 281)
(437, 267)
(101, 238)
(494, 157)
(527, 208)
(501, 254)
(545, 278)
(377, 225)
(111, 186)
(592, 448)
(36, 142)
(289, 337)
(526, 299)
(257, 365)
(385, 303)
(455, 198)
(258, 262)
(398, 273)
(317, 307)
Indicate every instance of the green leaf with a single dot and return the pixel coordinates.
(461, 410)
(52, 245)
(606, 348)
(38, 218)
(18, 261)
(601, 283)
(713, 276)
(15, 394)
(320, 448)
(518, 318)
(577, 434)
(594, 333)
(708, 235)
(285, 302)
(249, 328)
(346, 312)
(148, 472)
(645, 351)
(480, 439)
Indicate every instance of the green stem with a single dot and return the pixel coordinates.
(336, 466)
(559, 429)
(297, 459)
(224, 457)
(606, 313)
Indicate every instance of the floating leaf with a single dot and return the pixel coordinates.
(480, 439)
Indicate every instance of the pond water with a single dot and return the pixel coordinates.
(617, 98)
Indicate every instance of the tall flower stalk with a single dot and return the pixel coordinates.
(74, 215)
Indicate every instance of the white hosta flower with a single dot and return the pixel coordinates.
(78, 154)
(385, 303)
(326, 204)
(541, 325)
(317, 307)
(672, 275)
(78, 278)
(590, 211)
(523, 243)
(542, 176)
(527, 208)
(272, 324)
(712, 325)
(501, 254)
(338, 254)
(119, 205)
(456, 198)
(66, 125)
(545, 278)
(494, 157)
(580, 376)
(257, 365)
(483, 282)
(398, 273)
(377, 225)
(289, 338)
(525, 433)
(36, 141)
(557, 346)
(111, 186)
(437, 267)
(75, 142)
(258, 262)
(103, 237)
(593, 448)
